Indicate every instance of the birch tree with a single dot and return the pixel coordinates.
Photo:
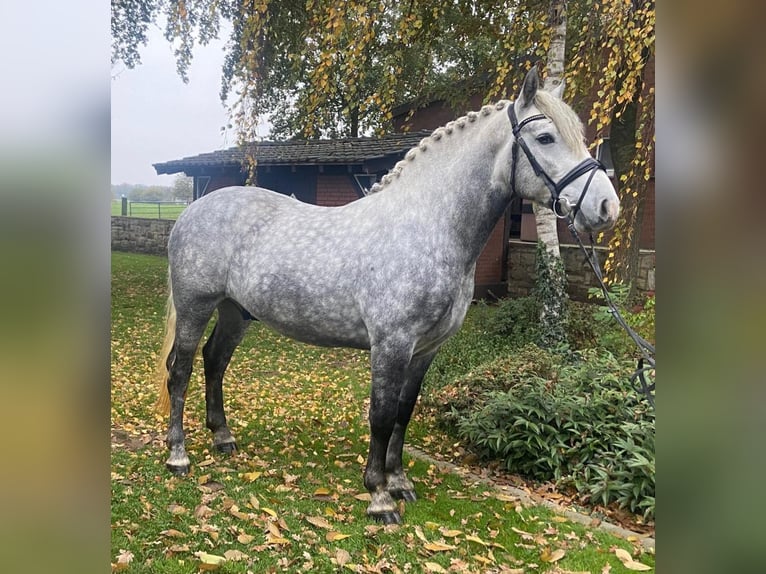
(323, 68)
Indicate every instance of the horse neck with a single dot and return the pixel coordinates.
(451, 183)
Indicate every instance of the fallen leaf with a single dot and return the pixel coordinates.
(434, 567)
(179, 548)
(451, 533)
(623, 555)
(176, 509)
(364, 496)
(278, 540)
(628, 562)
(321, 491)
(556, 555)
(124, 558)
(319, 521)
(245, 539)
(235, 555)
(560, 519)
(202, 511)
(342, 557)
(524, 535)
(209, 561)
(360, 459)
(438, 547)
(173, 533)
(269, 511)
(273, 529)
(476, 539)
(254, 502)
(333, 536)
(506, 498)
(206, 462)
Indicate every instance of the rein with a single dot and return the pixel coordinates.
(563, 210)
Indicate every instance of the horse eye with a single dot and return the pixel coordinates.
(545, 139)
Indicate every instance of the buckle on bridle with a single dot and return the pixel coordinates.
(561, 207)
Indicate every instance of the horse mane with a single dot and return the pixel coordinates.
(567, 122)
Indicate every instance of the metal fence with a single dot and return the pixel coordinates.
(148, 209)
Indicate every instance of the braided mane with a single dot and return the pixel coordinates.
(567, 122)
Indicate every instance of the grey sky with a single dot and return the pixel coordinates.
(156, 117)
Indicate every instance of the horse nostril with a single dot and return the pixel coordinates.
(605, 211)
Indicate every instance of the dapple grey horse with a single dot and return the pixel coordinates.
(392, 272)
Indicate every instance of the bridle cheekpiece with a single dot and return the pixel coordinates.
(559, 205)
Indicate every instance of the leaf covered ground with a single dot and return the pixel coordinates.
(292, 499)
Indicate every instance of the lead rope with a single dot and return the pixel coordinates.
(646, 363)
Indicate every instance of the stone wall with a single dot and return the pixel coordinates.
(580, 277)
(140, 235)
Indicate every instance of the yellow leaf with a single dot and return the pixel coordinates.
(365, 496)
(209, 561)
(333, 536)
(559, 519)
(451, 533)
(270, 512)
(432, 525)
(279, 540)
(321, 491)
(360, 459)
(252, 476)
(245, 538)
(476, 539)
(434, 567)
(438, 547)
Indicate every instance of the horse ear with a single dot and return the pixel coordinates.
(558, 91)
(529, 89)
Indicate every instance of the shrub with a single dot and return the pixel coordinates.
(572, 419)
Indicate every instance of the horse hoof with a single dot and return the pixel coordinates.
(227, 447)
(406, 495)
(390, 517)
(177, 469)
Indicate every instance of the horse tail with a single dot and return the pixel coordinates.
(163, 373)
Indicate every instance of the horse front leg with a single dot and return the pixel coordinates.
(389, 362)
(397, 483)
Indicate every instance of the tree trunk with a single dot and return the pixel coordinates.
(553, 296)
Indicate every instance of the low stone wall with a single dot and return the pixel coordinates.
(141, 235)
(580, 277)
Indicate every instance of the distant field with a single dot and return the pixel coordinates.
(149, 209)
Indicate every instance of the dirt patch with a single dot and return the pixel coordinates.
(121, 438)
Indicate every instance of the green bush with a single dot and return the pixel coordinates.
(574, 419)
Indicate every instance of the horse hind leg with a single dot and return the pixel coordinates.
(217, 353)
(188, 332)
(398, 485)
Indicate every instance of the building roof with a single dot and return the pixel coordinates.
(300, 152)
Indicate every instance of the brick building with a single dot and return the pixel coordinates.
(328, 173)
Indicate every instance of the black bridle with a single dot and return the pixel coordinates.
(563, 210)
(559, 205)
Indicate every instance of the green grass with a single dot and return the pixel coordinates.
(298, 414)
(149, 210)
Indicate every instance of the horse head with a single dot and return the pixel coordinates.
(554, 167)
